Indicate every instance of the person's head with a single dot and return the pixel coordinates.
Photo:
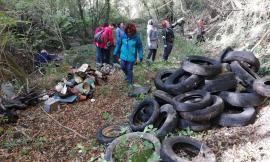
(121, 25)
(105, 25)
(112, 25)
(165, 24)
(150, 22)
(130, 29)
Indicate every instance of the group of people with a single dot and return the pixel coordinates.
(128, 48)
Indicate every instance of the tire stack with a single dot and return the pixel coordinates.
(202, 93)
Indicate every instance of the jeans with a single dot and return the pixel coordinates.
(106, 55)
(152, 52)
(167, 51)
(98, 55)
(127, 68)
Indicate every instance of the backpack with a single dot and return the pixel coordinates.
(98, 36)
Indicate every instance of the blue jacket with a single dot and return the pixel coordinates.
(129, 47)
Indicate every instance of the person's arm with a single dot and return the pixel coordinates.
(118, 46)
(110, 36)
(140, 48)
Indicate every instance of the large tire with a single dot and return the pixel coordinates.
(192, 100)
(163, 97)
(244, 72)
(247, 99)
(233, 119)
(195, 126)
(262, 86)
(224, 53)
(167, 120)
(168, 155)
(201, 65)
(222, 82)
(207, 113)
(108, 133)
(146, 136)
(181, 81)
(161, 77)
(149, 105)
(243, 56)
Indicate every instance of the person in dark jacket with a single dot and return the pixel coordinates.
(129, 45)
(168, 38)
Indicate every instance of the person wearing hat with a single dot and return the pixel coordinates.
(130, 46)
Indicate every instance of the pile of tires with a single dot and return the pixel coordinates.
(202, 93)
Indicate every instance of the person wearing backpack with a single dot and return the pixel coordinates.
(168, 38)
(98, 42)
(107, 44)
(129, 45)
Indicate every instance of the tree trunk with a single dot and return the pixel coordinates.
(82, 18)
(108, 8)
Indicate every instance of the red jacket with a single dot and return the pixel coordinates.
(98, 29)
(107, 37)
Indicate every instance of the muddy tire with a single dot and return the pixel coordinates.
(233, 119)
(207, 113)
(161, 77)
(222, 82)
(163, 97)
(148, 105)
(193, 100)
(243, 56)
(244, 72)
(168, 154)
(108, 133)
(195, 126)
(167, 120)
(140, 135)
(201, 65)
(224, 53)
(247, 99)
(262, 86)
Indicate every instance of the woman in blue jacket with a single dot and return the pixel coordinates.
(129, 45)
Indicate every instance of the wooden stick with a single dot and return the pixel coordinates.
(57, 122)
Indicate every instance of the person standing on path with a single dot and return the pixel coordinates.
(99, 54)
(200, 31)
(107, 43)
(168, 38)
(129, 45)
(152, 40)
(119, 32)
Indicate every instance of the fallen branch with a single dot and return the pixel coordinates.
(57, 122)
(259, 42)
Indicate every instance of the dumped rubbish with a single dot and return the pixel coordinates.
(79, 85)
(138, 91)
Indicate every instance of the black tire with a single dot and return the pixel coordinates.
(205, 114)
(161, 77)
(195, 126)
(201, 65)
(168, 155)
(233, 119)
(181, 81)
(222, 82)
(247, 99)
(103, 136)
(262, 87)
(146, 136)
(224, 53)
(243, 56)
(187, 101)
(244, 72)
(167, 120)
(149, 105)
(9, 117)
(163, 97)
